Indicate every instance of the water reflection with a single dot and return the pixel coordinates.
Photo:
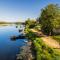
(20, 30)
(8, 48)
(18, 37)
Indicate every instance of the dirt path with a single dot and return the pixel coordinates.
(51, 42)
(48, 40)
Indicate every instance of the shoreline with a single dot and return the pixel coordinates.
(26, 53)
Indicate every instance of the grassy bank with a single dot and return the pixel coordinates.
(42, 51)
(57, 37)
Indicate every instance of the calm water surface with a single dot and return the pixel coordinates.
(9, 48)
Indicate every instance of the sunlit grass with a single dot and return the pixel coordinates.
(43, 52)
(57, 37)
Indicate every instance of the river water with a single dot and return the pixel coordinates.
(9, 48)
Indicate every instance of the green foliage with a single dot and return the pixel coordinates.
(31, 35)
(50, 18)
(30, 23)
(37, 27)
(57, 37)
(26, 29)
(43, 52)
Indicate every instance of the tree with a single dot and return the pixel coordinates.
(50, 18)
(30, 23)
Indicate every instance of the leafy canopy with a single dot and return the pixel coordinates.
(50, 18)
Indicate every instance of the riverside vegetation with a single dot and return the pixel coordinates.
(47, 23)
(42, 51)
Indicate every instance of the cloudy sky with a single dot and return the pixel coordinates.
(15, 10)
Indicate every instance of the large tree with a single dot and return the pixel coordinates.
(50, 18)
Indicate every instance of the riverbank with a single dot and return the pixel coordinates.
(41, 49)
(26, 52)
(37, 49)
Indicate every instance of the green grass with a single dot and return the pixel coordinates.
(57, 37)
(43, 52)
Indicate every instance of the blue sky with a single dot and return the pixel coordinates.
(15, 10)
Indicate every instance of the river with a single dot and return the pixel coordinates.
(9, 48)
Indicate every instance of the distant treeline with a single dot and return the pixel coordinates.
(12, 23)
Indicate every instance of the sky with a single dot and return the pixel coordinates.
(20, 10)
